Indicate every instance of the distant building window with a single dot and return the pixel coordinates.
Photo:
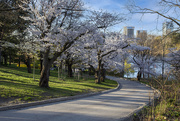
(129, 31)
(167, 27)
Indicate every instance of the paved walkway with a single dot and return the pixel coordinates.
(112, 106)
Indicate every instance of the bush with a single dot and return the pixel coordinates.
(22, 65)
(37, 65)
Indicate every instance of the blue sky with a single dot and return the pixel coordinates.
(150, 22)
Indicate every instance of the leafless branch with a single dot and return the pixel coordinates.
(9, 9)
(175, 4)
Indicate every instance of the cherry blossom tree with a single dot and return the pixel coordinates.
(105, 20)
(104, 49)
(75, 55)
(91, 45)
(104, 43)
(56, 27)
(142, 58)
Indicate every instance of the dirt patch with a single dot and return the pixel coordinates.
(10, 101)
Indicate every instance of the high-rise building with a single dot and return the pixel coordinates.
(141, 34)
(167, 27)
(129, 31)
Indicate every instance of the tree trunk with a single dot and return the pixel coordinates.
(44, 79)
(5, 60)
(148, 71)
(28, 63)
(0, 55)
(121, 73)
(103, 73)
(61, 68)
(19, 61)
(89, 71)
(98, 81)
(1, 37)
(96, 75)
(139, 75)
(69, 68)
(142, 73)
(46, 65)
(70, 73)
(41, 62)
(163, 69)
(10, 59)
(92, 70)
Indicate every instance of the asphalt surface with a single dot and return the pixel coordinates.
(112, 106)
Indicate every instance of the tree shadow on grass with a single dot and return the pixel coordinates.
(11, 83)
(20, 73)
(44, 93)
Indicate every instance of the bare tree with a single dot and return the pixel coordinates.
(168, 9)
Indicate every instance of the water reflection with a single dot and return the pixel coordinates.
(157, 69)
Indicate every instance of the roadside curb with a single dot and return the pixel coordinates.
(157, 92)
(157, 95)
(53, 100)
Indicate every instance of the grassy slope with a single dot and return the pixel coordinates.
(17, 86)
(168, 106)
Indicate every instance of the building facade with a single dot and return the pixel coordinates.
(129, 31)
(167, 27)
(141, 34)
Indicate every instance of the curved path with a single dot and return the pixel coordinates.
(111, 106)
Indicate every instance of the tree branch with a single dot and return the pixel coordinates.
(178, 5)
(108, 53)
(170, 18)
(10, 9)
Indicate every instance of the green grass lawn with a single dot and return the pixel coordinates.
(18, 85)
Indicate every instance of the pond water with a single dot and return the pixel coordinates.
(157, 69)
